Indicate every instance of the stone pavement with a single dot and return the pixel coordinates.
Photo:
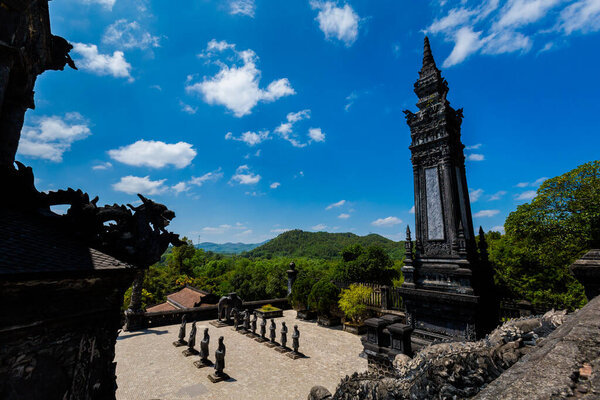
(150, 367)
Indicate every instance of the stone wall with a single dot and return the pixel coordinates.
(453, 370)
(58, 336)
(162, 318)
(565, 365)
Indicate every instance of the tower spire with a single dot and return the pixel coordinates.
(428, 60)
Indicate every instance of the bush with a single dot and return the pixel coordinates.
(352, 302)
(300, 292)
(323, 296)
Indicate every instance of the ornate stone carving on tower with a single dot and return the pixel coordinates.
(438, 289)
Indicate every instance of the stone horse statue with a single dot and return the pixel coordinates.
(226, 304)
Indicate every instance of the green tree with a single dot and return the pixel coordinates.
(181, 256)
(352, 302)
(545, 236)
(323, 296)
(370, 265)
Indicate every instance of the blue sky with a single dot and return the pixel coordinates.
(248, 118)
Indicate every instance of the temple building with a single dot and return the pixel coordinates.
(444, 278)
(186, 297)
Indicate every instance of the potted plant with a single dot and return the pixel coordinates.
(268, 311)
(352, 304)
(324, 297)
(299, 298)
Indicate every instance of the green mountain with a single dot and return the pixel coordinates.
(227, 248)
(322, 245)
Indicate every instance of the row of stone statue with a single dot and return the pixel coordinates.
(248, 327)
(219, 364)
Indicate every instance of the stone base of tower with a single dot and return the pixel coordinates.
(439, 316)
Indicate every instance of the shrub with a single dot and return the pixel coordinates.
(352, 302)
(323, 296)
(300, 292)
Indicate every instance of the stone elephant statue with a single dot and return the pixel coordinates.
(226, 304)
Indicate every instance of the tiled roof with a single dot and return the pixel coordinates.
(186, 297)
(166, 306)
(33, 244)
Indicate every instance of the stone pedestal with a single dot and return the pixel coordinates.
(214, 378)
(400, 338)
(203, 364)
(190, 352)
(180, 343)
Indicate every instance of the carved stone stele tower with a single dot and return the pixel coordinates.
(438, 289)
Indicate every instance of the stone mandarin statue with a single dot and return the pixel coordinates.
(204, 346)
(296, 339)
(273, 331)
(284, 331)
(263, 328)
(181, 337)
(247, 320)
(253, 322)
(220, 358)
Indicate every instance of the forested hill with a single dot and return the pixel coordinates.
(323, 245)
(227, 248)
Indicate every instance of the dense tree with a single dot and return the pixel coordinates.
(365, 265)
(323, 296)
(545, 236)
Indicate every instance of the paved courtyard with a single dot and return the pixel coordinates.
(150, 367)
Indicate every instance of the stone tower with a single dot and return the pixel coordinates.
(439, 289)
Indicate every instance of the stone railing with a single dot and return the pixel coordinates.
(161, 318)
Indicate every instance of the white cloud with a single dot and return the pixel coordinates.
(582, 16)
(129, 35)
(274, 185)
(108, 4)
(52, 136)
(466, 42)
(136, 184)
(343, 216)
(517, 13)
(244, 7)
(488, 29)
(102, 166)
(155, 154)
(285, 128)
(456, 17)
(528, 195)
(473, 147)
(535, 183)
(486, 213)
(280, 230)
(335, 205)
(250, 138)
(244, 176)
(186, 108)
(475, 157)
(319, 227)
(208, 177)
(412, 210)
(497, 196)
(474, 195)
(180, 187)
(387, 222)
(102, 64)
(237, 87)
(506, 42)
(245, 233)
(337, 22)
(316, 135)
(351, 98)
(498, 228)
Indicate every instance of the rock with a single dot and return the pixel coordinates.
(319, 393)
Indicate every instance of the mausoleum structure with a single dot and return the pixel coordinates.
(440, 289)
